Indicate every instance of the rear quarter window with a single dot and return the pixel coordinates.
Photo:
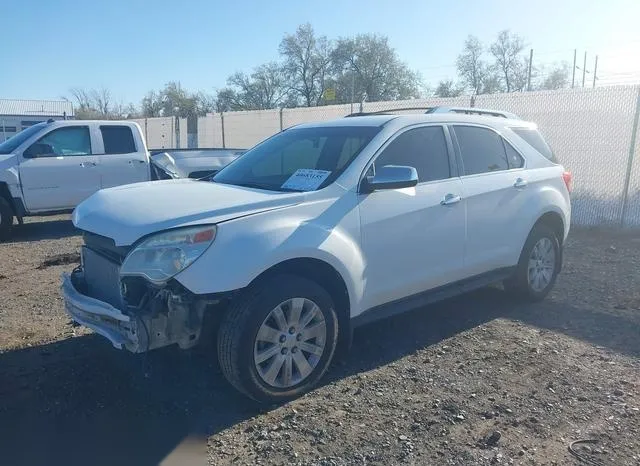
(535, 140)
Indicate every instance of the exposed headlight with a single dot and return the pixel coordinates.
(162, 256)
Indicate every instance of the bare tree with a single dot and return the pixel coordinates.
(448, 89)
(471, 67)
(265, 88)
(82, 98)
(99, 104)
(370, 67)
(557, 78)
(512, 65)
(152, 104)
(101, 99)
(307, 60)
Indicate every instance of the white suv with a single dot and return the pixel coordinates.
(319, 229)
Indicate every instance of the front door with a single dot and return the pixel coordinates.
(59, 171)
(411, 240)
(121, 161)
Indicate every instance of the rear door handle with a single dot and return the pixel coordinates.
(88, 164)
(450, 199)
(520, 183)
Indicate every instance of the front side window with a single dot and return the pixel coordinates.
(117, 139)
(322, 151)
(424, 149)
(67, 141)
(481, 149)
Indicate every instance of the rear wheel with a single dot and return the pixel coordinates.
(538, 266)
(277, 341)
(6, 218)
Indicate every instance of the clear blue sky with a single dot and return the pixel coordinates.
(133, 46)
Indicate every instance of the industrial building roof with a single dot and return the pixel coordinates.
(47, 108)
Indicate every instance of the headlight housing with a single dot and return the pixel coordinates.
(161, 256)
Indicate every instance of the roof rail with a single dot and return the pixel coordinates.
(388, 111)
(441, 109)
(473, 111)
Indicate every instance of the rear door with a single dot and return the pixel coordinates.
(121, 160)
(59, 170)
(494, 183)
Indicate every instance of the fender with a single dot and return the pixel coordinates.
(10, 184)
(246, 247)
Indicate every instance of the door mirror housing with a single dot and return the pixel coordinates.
(390, 177)
(36, 150)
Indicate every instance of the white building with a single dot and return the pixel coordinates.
(16, 115)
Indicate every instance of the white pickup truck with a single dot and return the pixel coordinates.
(52, 167)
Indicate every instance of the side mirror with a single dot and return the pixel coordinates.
(390, 177)
(37, 149)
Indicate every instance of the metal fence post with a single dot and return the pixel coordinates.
(281, 109)
(146, 132)
(632, 147)
(222, 124)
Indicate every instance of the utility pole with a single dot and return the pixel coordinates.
(529, 73)
(595, 71)
(573, 74)
(584, 68)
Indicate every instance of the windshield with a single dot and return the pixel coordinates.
(12, 143)
(304, 159)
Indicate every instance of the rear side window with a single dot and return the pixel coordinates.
(535, 140)
(117, 139)
(481, 149)
(514, 158)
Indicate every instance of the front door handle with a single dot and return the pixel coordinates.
(88, 164)
(520, 183)
(450, 199)
(131, 162)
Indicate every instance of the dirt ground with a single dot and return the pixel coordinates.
(474, 380)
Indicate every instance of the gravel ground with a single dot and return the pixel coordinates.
(474, 380)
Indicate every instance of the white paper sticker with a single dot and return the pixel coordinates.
(306, 179)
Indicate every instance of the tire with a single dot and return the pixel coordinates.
(241, 352)
(520, 284)
(6, 219)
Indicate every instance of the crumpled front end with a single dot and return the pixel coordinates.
(102, 318)
(130, 312)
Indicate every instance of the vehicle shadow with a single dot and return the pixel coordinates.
(43, 230)
(79, 401)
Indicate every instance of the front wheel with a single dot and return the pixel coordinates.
(277, 341)
(538, 266)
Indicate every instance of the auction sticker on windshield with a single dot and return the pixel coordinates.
(306, 179)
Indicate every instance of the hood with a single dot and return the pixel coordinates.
(127, 213)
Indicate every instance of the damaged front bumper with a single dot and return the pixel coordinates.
(100, 317)
(178, 323)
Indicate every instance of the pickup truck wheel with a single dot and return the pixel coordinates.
(6, 218)
(277, 341)
(538, 266)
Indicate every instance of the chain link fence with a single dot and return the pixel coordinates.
(592, 131)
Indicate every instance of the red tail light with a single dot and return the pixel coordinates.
(568, 180)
